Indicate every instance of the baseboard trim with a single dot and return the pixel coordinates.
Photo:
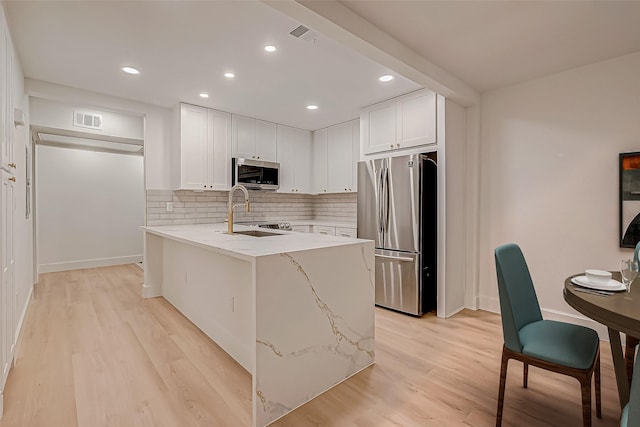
(89, 263)
(493, 305)
(21, 324)
(151, 291)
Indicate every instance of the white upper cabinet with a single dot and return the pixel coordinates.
(335, 156)
(404, 122)
(294, 156)
(416, 119)
(378, 127)
(339, 158)
(319, 165)
(205, 149)
(253, 139)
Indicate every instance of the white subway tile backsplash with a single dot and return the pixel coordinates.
(211, 207)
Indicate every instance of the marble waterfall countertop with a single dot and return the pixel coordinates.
(296, 310)
(214, 237)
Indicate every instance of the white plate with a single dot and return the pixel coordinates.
(613, 285)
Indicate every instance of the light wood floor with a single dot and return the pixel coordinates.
(94, 353)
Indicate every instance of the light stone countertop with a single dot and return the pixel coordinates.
(214, 237)
(323, 223)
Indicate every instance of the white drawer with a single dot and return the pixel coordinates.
(301, 228)
(323, 229)
(346, 232)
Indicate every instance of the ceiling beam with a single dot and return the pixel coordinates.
(334, 20)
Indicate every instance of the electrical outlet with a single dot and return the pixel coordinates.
(169, 206)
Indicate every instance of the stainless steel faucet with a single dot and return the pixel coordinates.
(231, 205)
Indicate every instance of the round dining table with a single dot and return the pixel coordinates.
(619, 312)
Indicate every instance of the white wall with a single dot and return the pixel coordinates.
(549, 174)
(60, 115)
(157, 131)
(90, 206)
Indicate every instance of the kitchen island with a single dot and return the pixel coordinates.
(295, 310)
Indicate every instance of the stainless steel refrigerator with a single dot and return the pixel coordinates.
(397, 208)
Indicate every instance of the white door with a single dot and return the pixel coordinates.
(8, 275)
(194, 147)
(355, 153)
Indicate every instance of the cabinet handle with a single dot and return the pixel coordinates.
(292, 190)
(253, 157)
(324, 191)
(205, 186)
(13, 178)
(398, 145)
(12, 165)
(258, 157)
(391, 145)
(211, 186)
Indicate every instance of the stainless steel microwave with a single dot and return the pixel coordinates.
(256, 174)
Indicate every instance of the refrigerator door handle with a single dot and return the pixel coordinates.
(396, 258)
(387, 199)
(380, 208)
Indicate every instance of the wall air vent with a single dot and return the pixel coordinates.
(304, 33)
(87, 120)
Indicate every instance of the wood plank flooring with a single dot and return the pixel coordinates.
(94, 353)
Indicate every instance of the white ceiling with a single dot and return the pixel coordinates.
(184, 48)
(491, 44)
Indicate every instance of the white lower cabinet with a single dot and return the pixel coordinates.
(346, 232)
(323, 229)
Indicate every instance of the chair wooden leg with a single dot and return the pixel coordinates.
(585, 388)
(503, 381)
(630, 355)
(597, 385)
(525, 375)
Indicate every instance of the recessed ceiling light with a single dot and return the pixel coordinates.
(270, 48)
(130, 70)
(204, 95)
(386, 78)
(229, 75)
(312, 107)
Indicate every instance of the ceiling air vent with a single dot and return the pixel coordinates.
(304, 33)
(87, 120)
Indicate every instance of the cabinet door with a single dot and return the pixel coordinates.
(302, 170)
(319, 165)
(339, 152)
(286, 158)
(378, 127)
(355, 153)
(416, 119)
(194, 147)
(7, 281)
(346, 232)
(300, 228)
(243, 136)
(6, 94)
(266, 141)
(322, 229)
(219, 131)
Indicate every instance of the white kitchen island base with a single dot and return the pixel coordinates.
(295, 310)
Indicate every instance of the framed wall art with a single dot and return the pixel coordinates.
(629, 199)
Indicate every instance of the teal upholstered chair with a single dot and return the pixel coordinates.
(631, 342)
(631, 412)
(556, 346)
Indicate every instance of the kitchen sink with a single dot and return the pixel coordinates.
(257, 233)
